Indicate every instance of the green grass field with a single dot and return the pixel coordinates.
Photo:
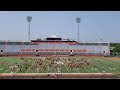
(96, 65)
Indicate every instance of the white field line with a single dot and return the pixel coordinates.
(10, 68)
(69, 73)
(66, 67)
(76, 70)
(57, 73)
(94, 69)
(18, 70)
(86, 70)
(114, 66)
(7, 70)
(97, 69)
(38, 69)
(101, 66)
(11, 63)
(48, 68)
(30, 67)
(22, 68)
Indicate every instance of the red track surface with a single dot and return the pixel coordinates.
(58, 76)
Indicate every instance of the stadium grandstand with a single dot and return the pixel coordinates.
(54, 46)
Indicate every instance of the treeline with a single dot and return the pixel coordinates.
(113, 44)
(115, 51)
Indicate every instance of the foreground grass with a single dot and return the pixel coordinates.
(97, 65)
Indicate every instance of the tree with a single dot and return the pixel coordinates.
(117, 49)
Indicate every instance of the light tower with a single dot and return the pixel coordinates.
(78, 21)
(29, 19)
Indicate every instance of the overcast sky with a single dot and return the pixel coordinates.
(94, 25)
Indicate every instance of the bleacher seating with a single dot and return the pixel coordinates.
(51, 47)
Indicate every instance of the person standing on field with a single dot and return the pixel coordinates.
(71, 52)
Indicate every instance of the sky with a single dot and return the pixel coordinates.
(94, 25)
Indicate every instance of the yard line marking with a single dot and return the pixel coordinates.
(10, 64)
(77, 70)
(7, 70)
(38, 70)
(48, 67)
(94, 69)
(30, 67)
(105, 68)
(40, 67)
(112, 64)
(10, 68)
(98, 67)
(19, 69)
(12, 61)
(66, 67)
(86, 70)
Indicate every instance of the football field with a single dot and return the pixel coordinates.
(50, 65)
(59, 64)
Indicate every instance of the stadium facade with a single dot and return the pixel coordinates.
(54, 46)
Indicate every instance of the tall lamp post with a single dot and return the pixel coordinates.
(29, 19)
(78, 21)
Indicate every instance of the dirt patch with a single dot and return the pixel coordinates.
(114, 58)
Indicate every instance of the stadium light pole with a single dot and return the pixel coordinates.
(78, 21)
(29, 19)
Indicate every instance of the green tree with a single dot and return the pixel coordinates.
(117, 49)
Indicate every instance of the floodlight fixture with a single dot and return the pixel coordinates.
(29, 19)
(78, 21)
